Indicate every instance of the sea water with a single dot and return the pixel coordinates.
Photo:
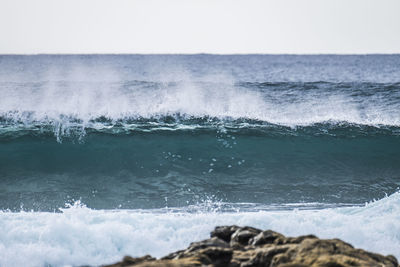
(103, 156)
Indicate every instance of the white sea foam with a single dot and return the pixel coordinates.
(80, 235)
(83, 96)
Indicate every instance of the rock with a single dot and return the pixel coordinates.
(218, 256)
(265, 237)
(332, 252)
(129, 261)
(242, 236)
(212, 242)
(264, 256)
(211, 256)
(224, 232)
(234, 246)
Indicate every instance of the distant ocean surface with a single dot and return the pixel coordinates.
(103, 156)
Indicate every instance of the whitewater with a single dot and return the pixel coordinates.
(79, 235)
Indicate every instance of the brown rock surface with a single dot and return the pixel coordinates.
(234, 246)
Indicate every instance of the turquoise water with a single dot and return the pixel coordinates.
(175, 168)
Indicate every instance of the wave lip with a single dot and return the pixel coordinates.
(67, 126)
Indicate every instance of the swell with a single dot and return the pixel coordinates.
(177, 168)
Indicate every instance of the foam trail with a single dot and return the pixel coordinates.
(80, 235)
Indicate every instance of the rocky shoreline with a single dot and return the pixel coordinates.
(234, 246)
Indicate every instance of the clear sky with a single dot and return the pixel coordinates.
(199, 26)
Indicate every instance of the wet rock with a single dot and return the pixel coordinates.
(242, 236)
(224, 232)
(265, 237)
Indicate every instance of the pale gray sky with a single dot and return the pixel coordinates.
(199, 26)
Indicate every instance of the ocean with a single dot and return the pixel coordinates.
(103, 156)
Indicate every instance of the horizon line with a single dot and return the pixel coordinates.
(201, 53)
